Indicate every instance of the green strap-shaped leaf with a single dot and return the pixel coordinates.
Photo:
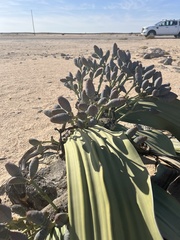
(159, 142)
(167, 211)
(109, 189)
(167, 118)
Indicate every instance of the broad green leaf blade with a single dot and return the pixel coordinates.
(109, 189)
(159, 142)
(167, 118)
(167, 211)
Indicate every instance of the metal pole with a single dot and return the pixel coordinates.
(32, 22)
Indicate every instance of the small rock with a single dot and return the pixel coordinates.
(147, 56)
(67, 58)
(153, 53)
(168, 61)
(40, 111)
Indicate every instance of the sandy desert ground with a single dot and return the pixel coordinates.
(30, 69)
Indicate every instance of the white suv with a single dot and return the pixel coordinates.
(165, 27)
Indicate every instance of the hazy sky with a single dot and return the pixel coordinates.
(93, 16)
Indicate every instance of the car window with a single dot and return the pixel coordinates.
(171, 23)
(168, 23)
(162, 24)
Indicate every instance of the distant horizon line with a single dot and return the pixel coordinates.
(63, 33)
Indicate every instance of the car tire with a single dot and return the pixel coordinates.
(151, 34)
(177, 36)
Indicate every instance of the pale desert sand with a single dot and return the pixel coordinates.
(30, 69)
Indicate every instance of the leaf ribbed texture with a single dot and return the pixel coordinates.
(159, 142)
(167, 210)
(109, 190)
(166, 119)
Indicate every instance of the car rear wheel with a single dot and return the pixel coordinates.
(151, 34)
(177, 36)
